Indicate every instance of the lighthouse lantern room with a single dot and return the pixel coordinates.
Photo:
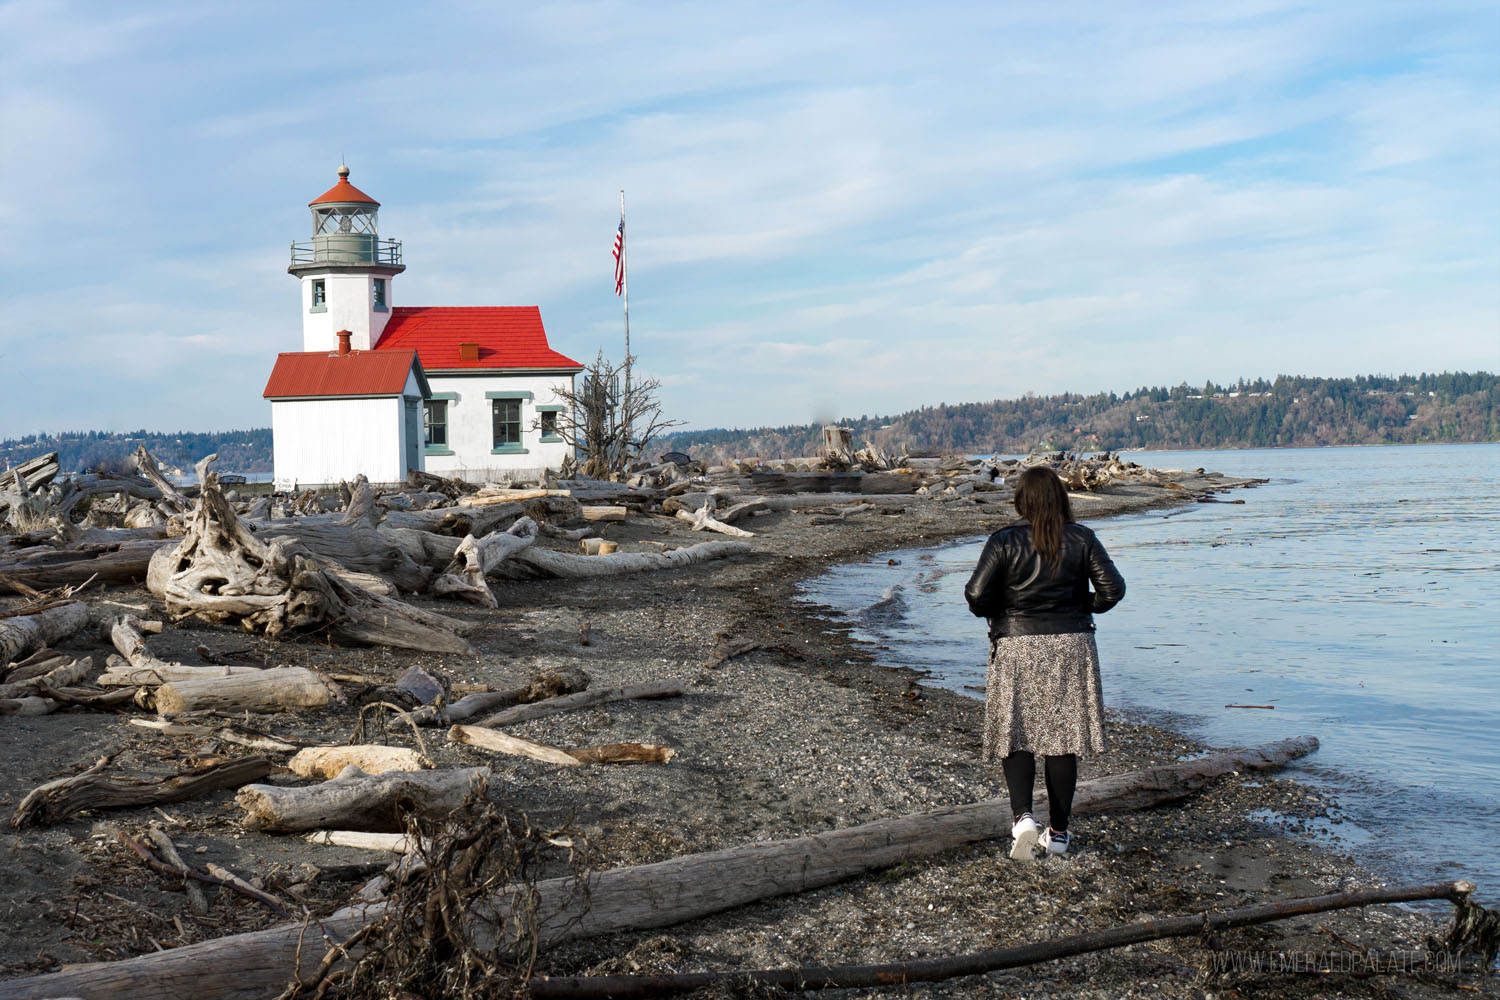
(346, 269)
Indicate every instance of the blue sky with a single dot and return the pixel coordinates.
(835, 209)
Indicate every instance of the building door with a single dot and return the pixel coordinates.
(413, 435)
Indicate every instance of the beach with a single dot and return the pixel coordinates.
(807, 734)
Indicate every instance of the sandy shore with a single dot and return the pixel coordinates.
(769, 745)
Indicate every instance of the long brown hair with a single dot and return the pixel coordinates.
(1042, 499)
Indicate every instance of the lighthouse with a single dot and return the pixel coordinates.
(346, 269)
(474, 392)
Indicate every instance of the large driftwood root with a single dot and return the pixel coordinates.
(222, 571)
(476, 558)
(625, 899)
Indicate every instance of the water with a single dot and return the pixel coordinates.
(1358, 592)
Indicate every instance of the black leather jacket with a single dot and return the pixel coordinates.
(1020, 593)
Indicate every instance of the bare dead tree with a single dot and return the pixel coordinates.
(608, 424)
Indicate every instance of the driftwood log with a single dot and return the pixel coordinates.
(625, 899)
(584, 699)
(221, 571)
(371, 758)
(703, 520)
(277, 690)
(929, 970)
(545, 562)
(357, 801)
(45, 567)
(354, 542)
(65, 673)
(57, 800)
(23, 632)
(608, 753)
(546, 684)
(228, 732)
(394, 843)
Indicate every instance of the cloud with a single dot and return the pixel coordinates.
(833, 208)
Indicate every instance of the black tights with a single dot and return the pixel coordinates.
(1062, 777)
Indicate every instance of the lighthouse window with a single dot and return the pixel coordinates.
(435, 422)
(507, 422)
(319, 295)
(379, 293)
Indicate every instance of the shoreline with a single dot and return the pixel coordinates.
(808, 734)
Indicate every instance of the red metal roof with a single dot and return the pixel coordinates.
(358, 373)
(344, 191)
(508, 337)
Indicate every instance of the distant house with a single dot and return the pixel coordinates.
(380, 389)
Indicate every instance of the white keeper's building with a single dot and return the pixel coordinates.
(381, 389)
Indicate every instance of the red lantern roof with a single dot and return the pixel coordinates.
(503, 337)
(343, 191)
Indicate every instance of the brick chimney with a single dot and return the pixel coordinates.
(468, 352)
(343, 336)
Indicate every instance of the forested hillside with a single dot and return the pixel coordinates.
(1291, 411)
(239, 451)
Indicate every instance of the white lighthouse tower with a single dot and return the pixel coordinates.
(346, 270)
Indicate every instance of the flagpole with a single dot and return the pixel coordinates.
(625, 289)
(625, 300)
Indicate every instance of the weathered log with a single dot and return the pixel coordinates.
(371, 758)
(69, 672)
(609, 753)
(221, 570)
(125, 633)
(563, 564)
(35, 665)
(277, 690)
(168, 673)
(625, 899)
(23, 632)
(30, 705)
(197, 902)
(598, 547)
(357, 801)
(703, 520)
(394, 843)
(354, 542)
(584, 699)
(546, 684)
(47, 567)
(56, 800)
(228, 732)
(171, 498)
(492, 495)
(476, 558)
(630, 987)
(605, 512)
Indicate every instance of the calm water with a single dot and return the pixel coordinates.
(1358, 592)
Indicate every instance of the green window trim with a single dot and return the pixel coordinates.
(451, 397)
(509, 449)
(550, 408)
(553, 439)
(437, 449)
(318, 309)
(507, 395)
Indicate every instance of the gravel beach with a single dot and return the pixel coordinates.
(804, 735)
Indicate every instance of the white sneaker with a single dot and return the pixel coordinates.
(1023, 838)
(1054, 843)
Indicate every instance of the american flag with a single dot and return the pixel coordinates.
(619, 253)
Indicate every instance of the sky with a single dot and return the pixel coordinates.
(835, 209)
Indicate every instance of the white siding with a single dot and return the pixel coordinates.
(350, 299)
(323, 441)
(471, 427)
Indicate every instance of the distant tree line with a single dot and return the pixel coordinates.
(239, 451)
(1289, 411)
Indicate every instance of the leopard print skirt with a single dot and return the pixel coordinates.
(1043, 694)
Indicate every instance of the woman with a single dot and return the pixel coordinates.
(1043, 691)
